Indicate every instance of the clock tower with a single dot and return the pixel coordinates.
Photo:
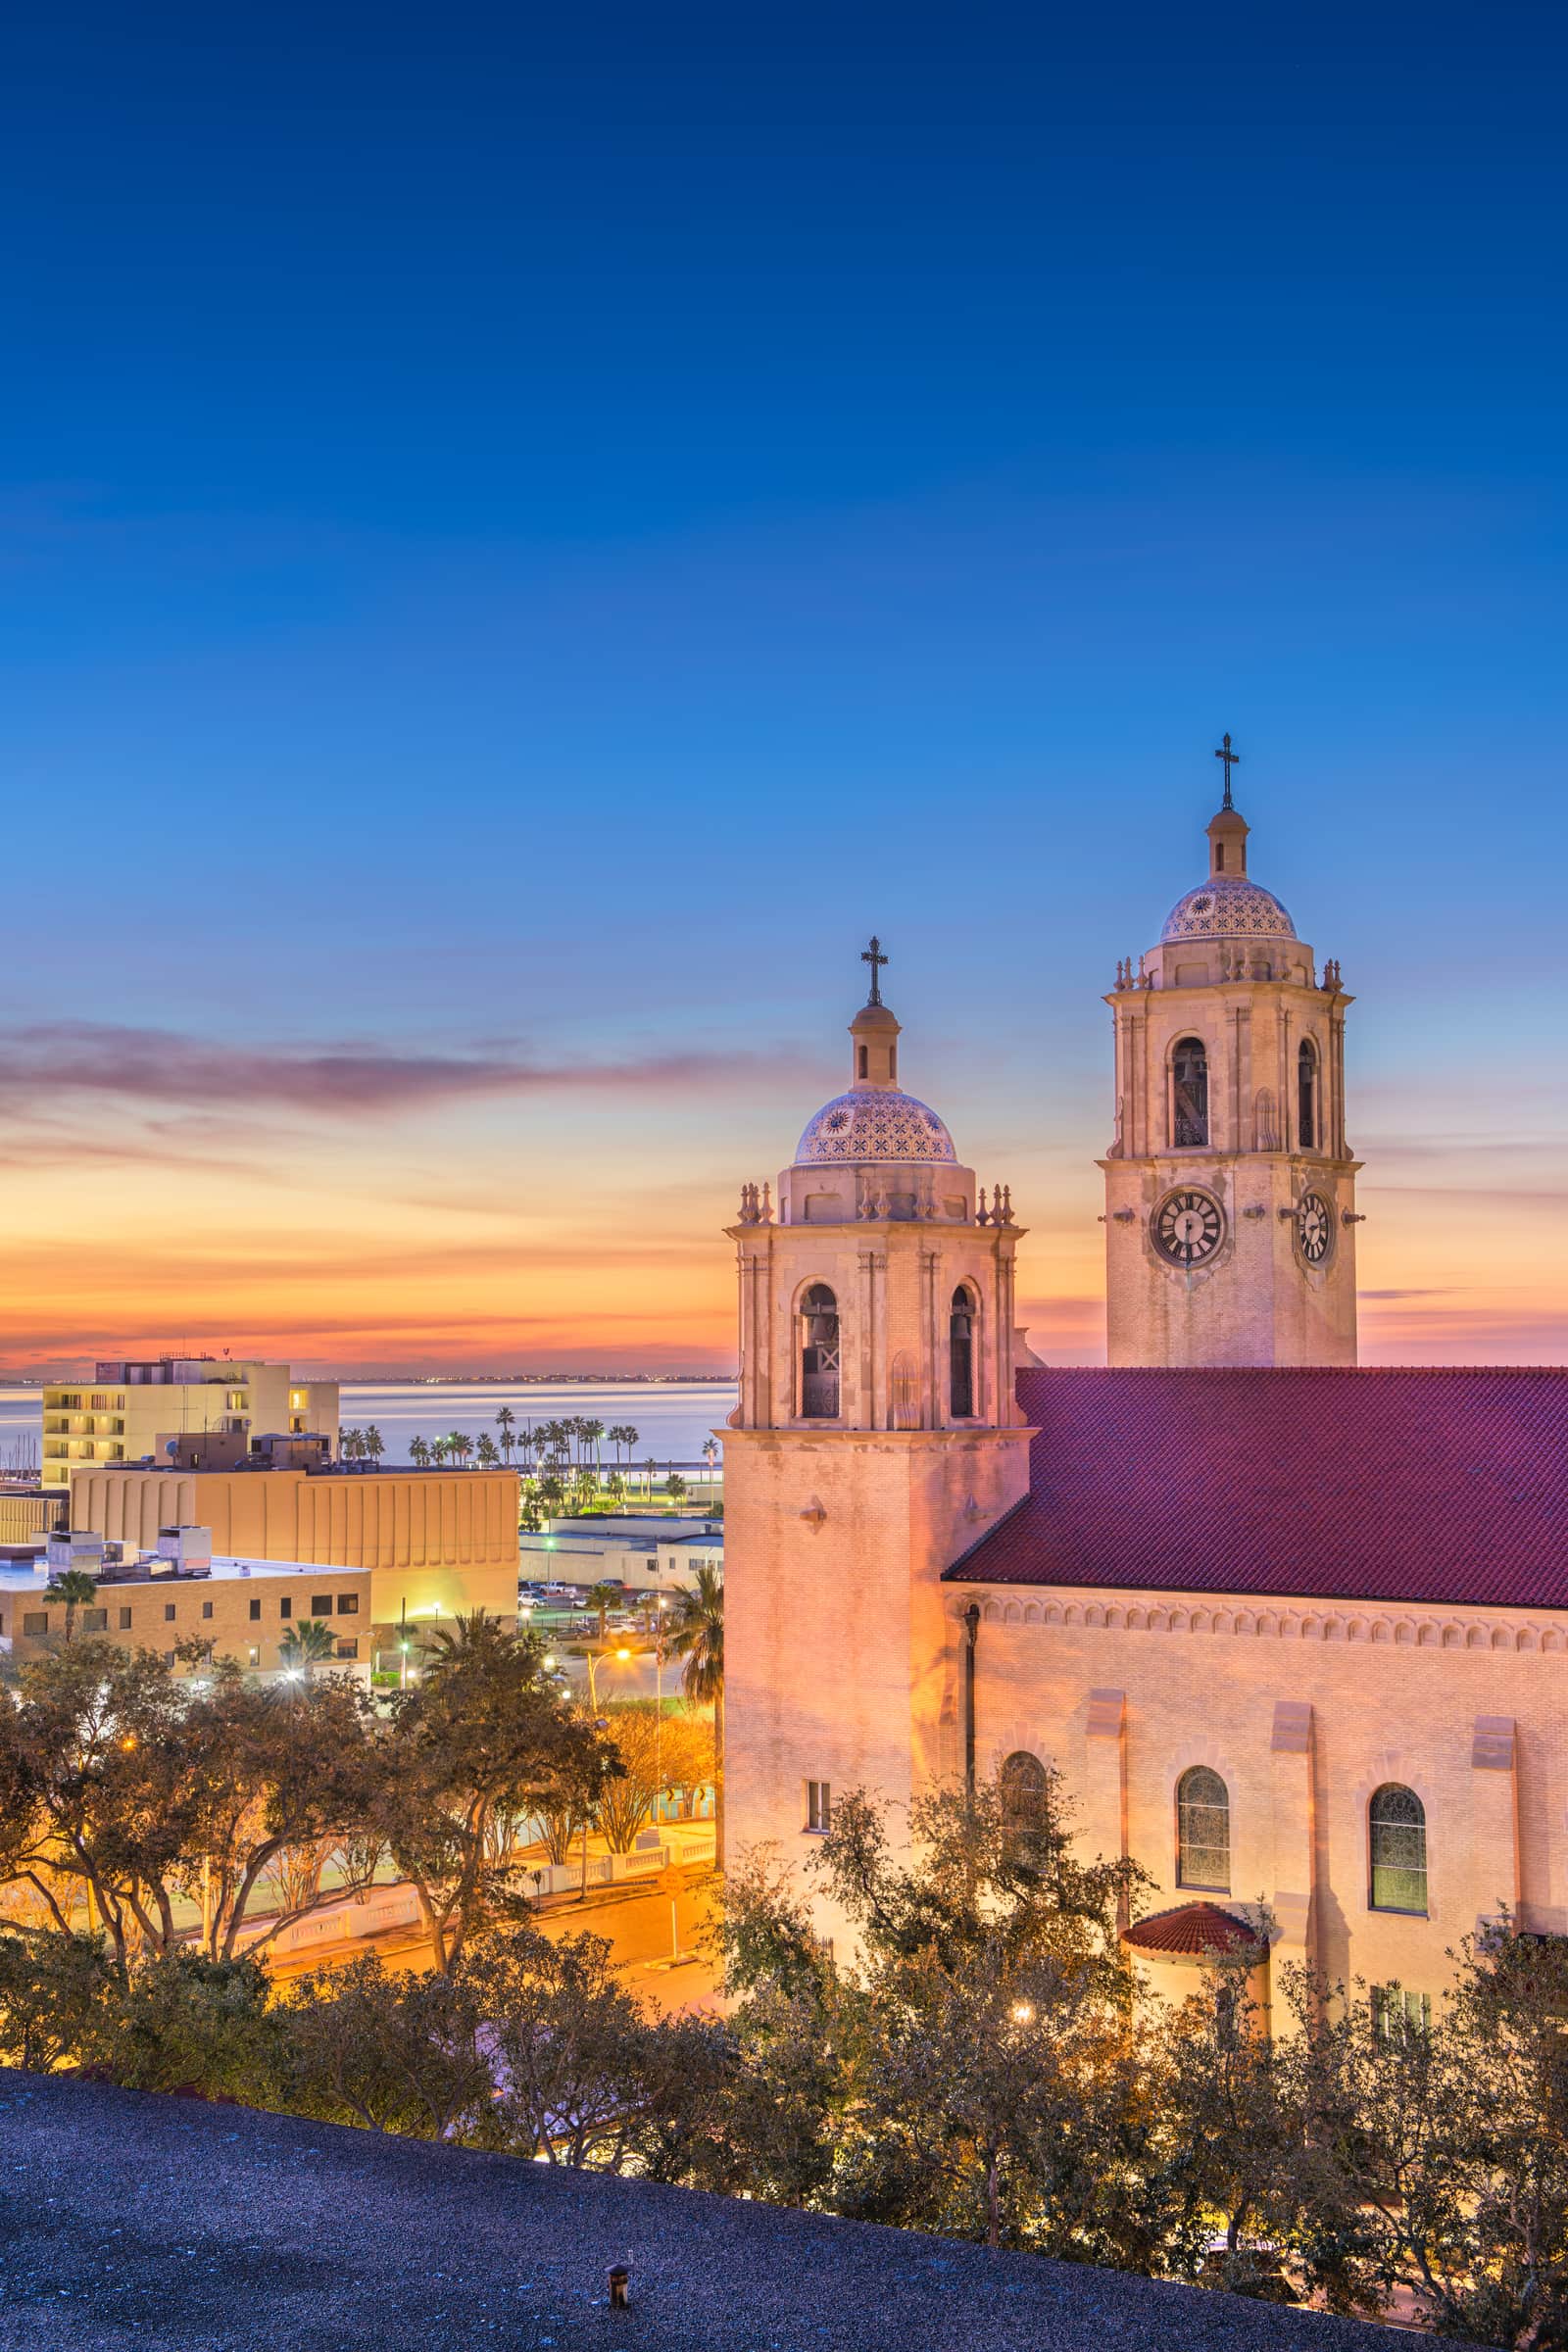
(1230, 1188)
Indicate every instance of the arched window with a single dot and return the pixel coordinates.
(1189, 1073)
(960, 1355)
(819, 1354)
(1306, 1107)
(1202, 1831)
(1022, 1781)
(1396, 1842)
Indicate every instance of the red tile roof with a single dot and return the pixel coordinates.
(1443, 1487)
(1193, 1928)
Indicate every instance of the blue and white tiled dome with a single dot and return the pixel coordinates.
(1228, 907)
(871, 1123)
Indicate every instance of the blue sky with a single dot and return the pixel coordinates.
(522, 541)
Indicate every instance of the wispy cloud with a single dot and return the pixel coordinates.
(345, 1079)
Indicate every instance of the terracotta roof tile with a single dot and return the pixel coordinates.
(1441, 1487)
(1192, 1928)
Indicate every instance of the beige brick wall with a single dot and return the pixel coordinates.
(160, 1614)
(1305, 1710)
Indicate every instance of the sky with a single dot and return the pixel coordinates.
(525, 535)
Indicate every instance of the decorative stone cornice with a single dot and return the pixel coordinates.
(1412, 1628)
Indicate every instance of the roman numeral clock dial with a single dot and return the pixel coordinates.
(1188, 1227)
(1314, 1229)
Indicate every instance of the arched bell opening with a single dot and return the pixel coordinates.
(1308, 1109)
(819, 1354)
(1189, 1094)
(962, 1317)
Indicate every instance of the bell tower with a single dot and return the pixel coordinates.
(876, 1437)
(1230, 1188)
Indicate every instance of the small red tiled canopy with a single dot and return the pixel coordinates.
(1190, 1930)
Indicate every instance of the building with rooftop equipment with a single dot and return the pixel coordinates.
(656, 1555)
(436, 1543)
(1295, 1634)
(129, 1409)
(180, 1592)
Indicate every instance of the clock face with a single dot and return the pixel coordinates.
(1315, 1227)
(1188, 1227)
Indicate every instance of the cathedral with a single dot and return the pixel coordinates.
(1295, 1634)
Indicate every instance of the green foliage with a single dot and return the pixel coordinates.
(76, 1589)
(307, 1644)
(482, 1738)
(187, 2022)
(55, 1993)
(655, 1753)
(385, 2050)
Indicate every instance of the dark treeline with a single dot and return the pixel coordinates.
(988, 2068)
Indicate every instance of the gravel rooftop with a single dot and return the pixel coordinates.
(129, 2221)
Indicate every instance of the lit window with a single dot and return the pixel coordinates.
(348, 1604)
(1397, 1839)
(818, 1807)
(1202, 1831)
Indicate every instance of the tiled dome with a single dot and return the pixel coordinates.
(871, 1123)
(1228, 907)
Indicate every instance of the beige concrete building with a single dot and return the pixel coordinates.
(1296, 1635)
(435, 1544)
(128, 1407)
(28, 1511)
(243, 1608)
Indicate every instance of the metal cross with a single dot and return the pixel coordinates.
(875, 957)
(1230, 758)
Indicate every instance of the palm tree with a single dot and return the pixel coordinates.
(76, 1589)
(375, 1444)
(420, 1452)
(676, 1487)
(458, 1445)
(603, 1598)
(487, 1451)
(439, 1449)
(351, 1445)
(650, 1472)
(697, 1634)
(305, 1646)
(592, 1432)
(506, 1423)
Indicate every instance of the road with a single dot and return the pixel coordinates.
(635, 1922)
